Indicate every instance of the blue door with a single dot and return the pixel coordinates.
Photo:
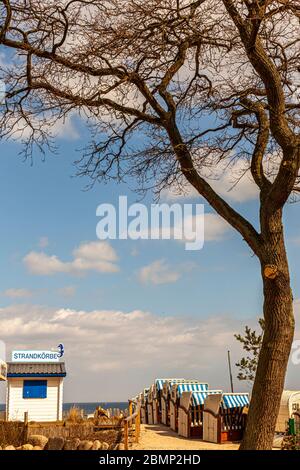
(35, 389)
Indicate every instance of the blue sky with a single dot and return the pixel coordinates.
(44, 201)
(215, 291)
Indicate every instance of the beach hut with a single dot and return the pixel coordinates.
(190, 412)
(144, 403)
(155, 398)
(35, 388)
(165, 397)
(175, 395)
(290, 404)
(224, 417)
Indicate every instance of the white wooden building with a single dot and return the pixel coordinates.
(290, 404)
(36, 388)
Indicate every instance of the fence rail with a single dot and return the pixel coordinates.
(132, 423)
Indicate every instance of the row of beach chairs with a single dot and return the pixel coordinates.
(192, 410)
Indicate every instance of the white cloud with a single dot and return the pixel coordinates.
(189, 228)
(231, 182)
(43, 264)
(214, 227)
(14, 293)
(65, 128)
(111, 355)
(158, 272)
(100, 345)
(93, 256)
(62, 128)
(236, 185)
(172, 194)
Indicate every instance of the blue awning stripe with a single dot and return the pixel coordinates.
(198, 398)
(235, 400)
(160, 382)
(191, 388)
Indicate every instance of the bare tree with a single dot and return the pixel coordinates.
(173, 91)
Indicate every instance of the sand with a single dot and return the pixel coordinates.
(159, 437)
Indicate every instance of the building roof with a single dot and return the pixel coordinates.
(36, 369)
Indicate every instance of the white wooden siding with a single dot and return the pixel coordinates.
(210, 428)
(39, 409)
(60, 400)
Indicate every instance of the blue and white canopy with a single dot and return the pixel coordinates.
(235, 400)
(191, 387)
(198, 398)
(160, 382)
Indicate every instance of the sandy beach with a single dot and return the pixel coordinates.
(159, 437)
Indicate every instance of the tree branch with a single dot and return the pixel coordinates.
(235, 219)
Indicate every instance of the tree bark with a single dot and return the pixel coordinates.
(277, 341)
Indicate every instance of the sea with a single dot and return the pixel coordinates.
(89, 408)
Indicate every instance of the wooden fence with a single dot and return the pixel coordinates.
(14, 433)
(132, 424)
(17, 433)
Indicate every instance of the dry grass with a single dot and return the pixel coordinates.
(74, 415)
(12, 433)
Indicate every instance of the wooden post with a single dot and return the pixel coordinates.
(230, 371)
(25, 435)
(130, 408)
(139, 424)
(126, 435)
(132, 419)
(137, 427)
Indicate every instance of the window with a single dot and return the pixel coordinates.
(35, 389)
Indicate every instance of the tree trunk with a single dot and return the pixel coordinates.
(277, 341)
